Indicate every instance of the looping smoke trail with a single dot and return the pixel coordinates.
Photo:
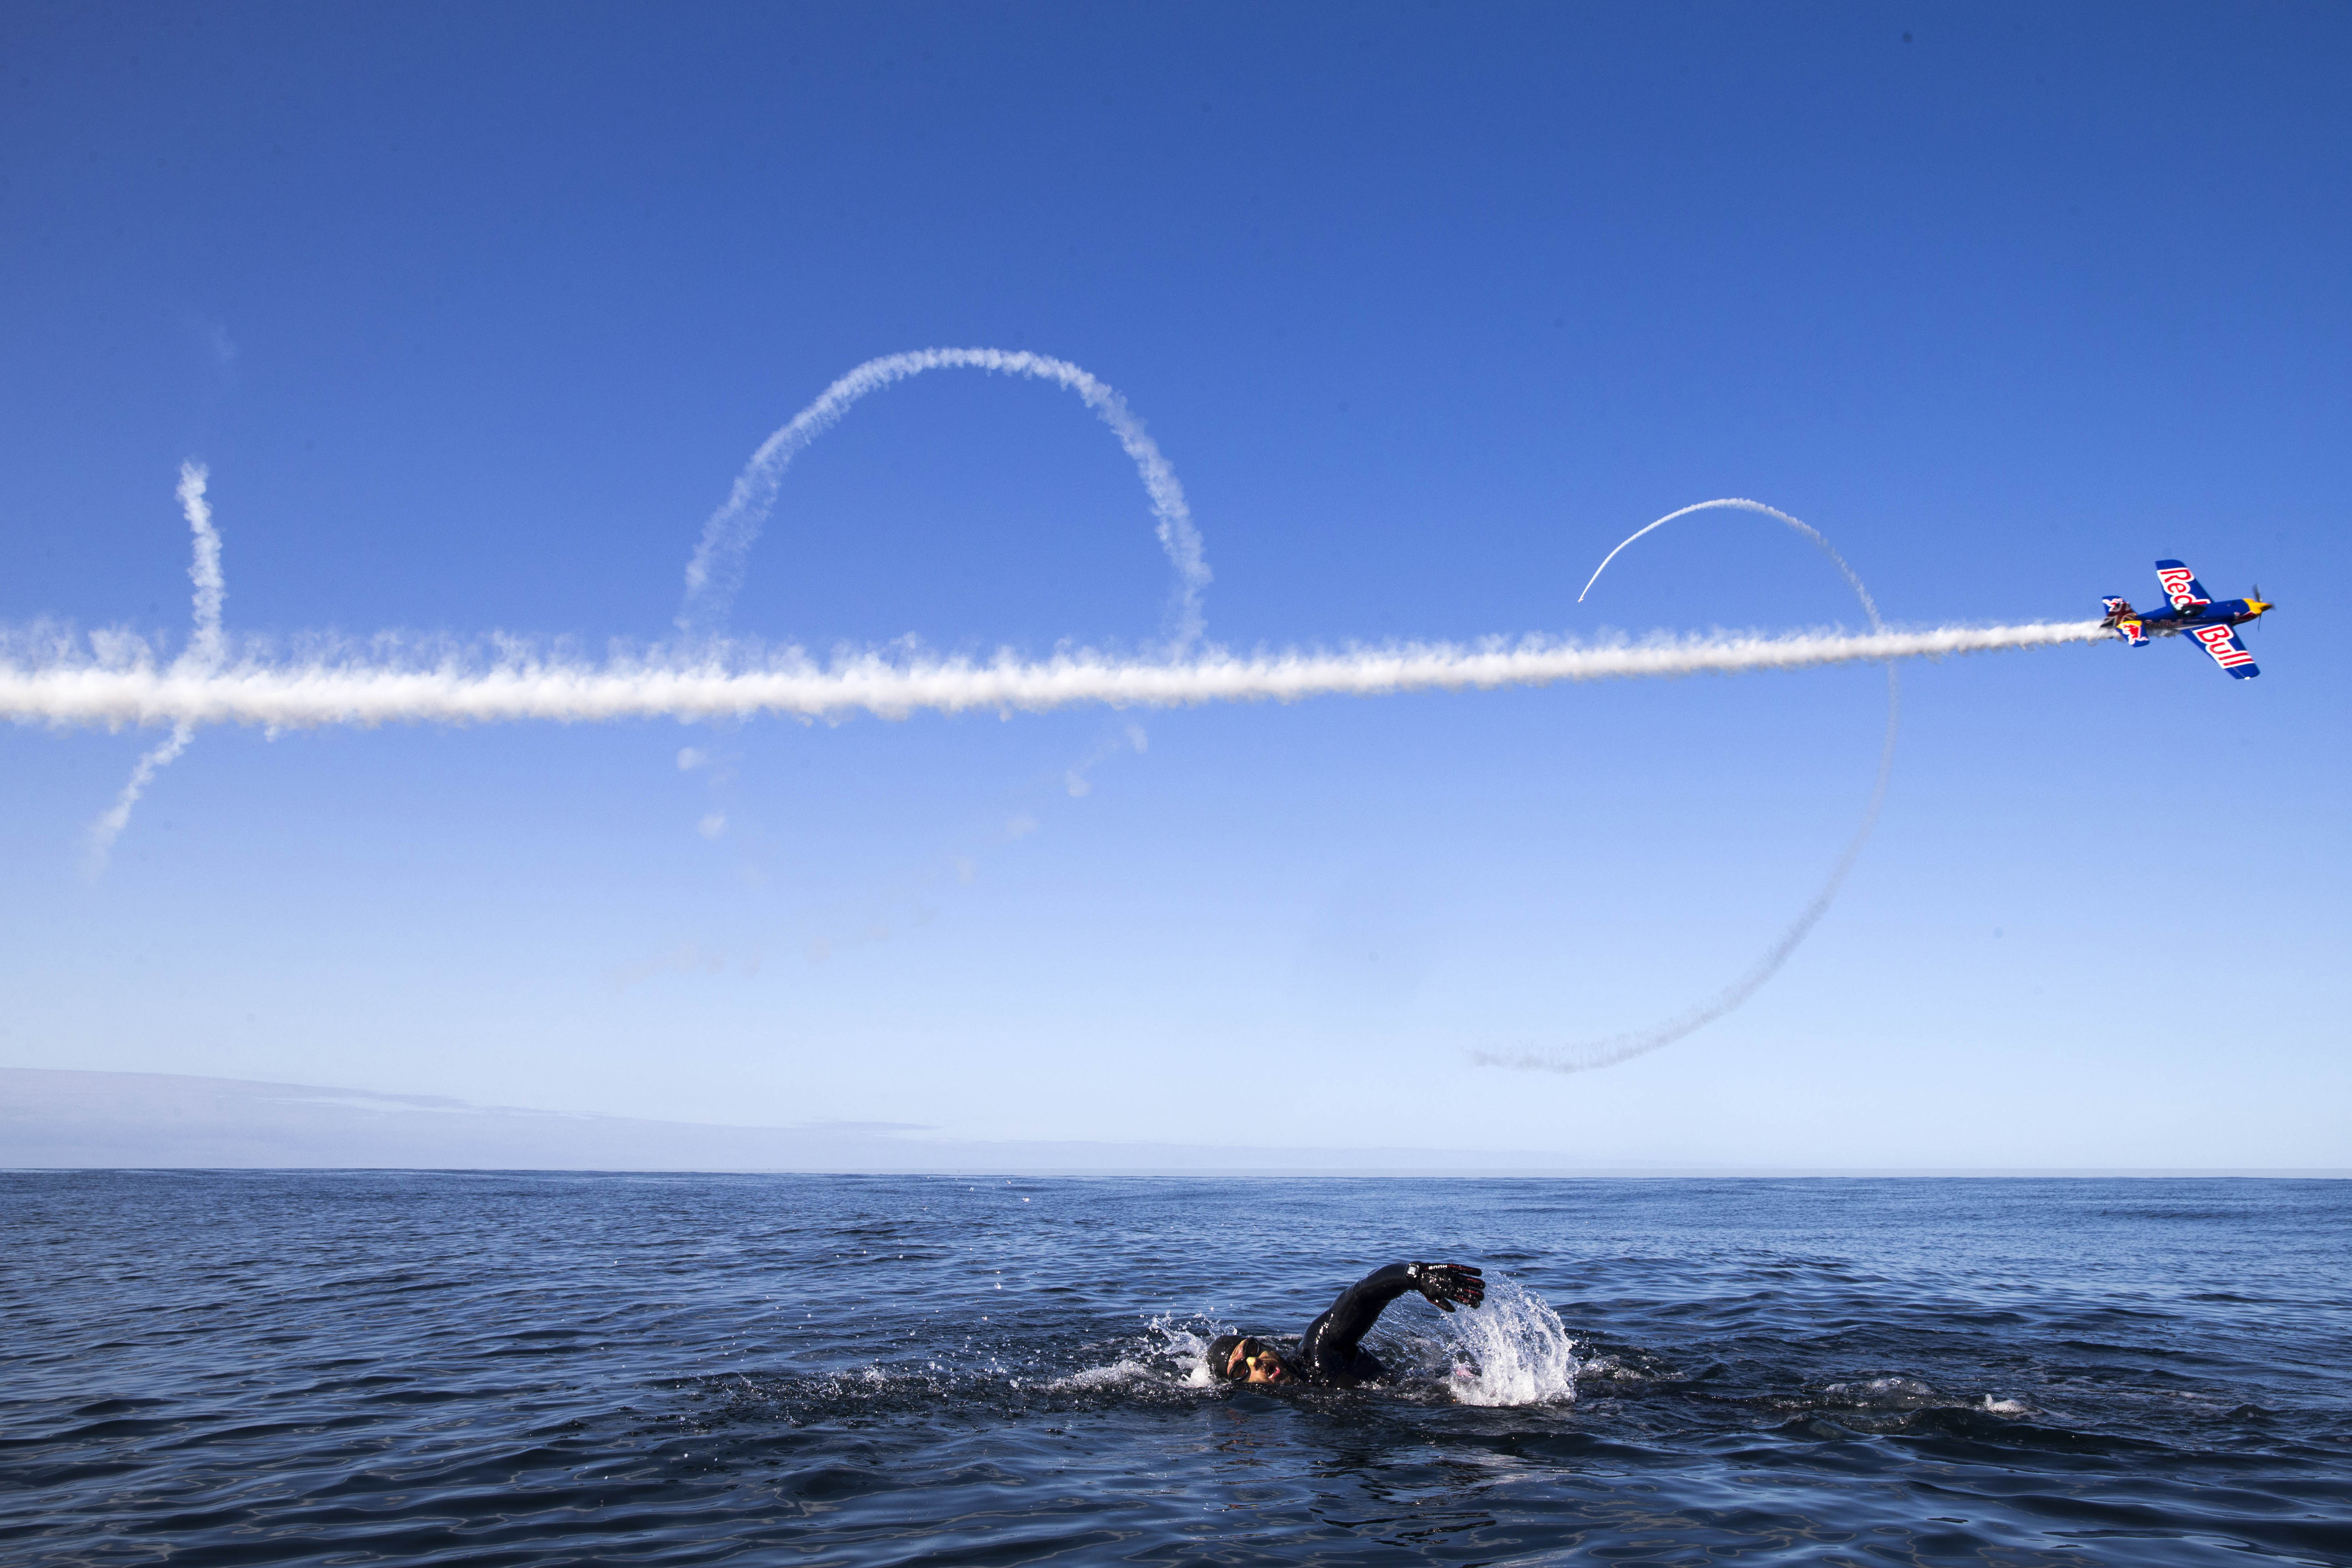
(716, 571)
(205, 653)
(1624, 1047)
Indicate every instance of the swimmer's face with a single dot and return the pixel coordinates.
(1254, 1360)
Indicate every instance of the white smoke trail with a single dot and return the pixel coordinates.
(205, 653)
(716, 571)
(60, 687)
(1624, 1047)
(108, 828)
(204, 648)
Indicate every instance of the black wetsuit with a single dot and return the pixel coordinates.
(1331, 1350)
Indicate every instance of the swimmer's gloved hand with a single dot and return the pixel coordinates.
(1446, 1283)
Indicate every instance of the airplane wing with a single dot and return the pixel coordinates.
(2228, 651)
(2180, 585)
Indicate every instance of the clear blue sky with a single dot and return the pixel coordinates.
(475, 312)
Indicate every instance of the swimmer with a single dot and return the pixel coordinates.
(1331, 1350)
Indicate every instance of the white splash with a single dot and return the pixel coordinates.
(1512, 1350)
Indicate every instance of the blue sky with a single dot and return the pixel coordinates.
(474, 315)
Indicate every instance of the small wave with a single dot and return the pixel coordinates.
(1175, 1355)
(1117, 1376)
(1611, 1369)
(1879, 1393)
(1900, 1397)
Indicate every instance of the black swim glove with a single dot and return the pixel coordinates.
(1446, 1283)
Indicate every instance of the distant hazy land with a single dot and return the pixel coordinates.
(59, 1119)
(53, 1119)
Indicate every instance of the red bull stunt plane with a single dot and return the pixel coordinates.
(2194, 612)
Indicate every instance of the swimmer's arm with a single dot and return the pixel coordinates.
(1360, 1306)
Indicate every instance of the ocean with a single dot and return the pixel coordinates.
(493, 1368)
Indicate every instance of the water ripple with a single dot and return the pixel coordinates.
(462, 1367)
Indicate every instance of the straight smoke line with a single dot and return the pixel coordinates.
(715, 571)
(299, 697)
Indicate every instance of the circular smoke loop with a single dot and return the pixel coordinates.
(715, 571)
(1617, 1048)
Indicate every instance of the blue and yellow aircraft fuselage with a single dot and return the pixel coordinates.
(2194, 613)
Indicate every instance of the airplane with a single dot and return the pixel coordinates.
(2194, 612)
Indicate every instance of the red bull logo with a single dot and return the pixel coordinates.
(2220, 641)
(2176, 581)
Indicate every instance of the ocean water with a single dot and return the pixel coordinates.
(487, 1368)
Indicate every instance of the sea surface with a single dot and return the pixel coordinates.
(489, 1368)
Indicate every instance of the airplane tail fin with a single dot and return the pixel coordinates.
(2125, 620)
